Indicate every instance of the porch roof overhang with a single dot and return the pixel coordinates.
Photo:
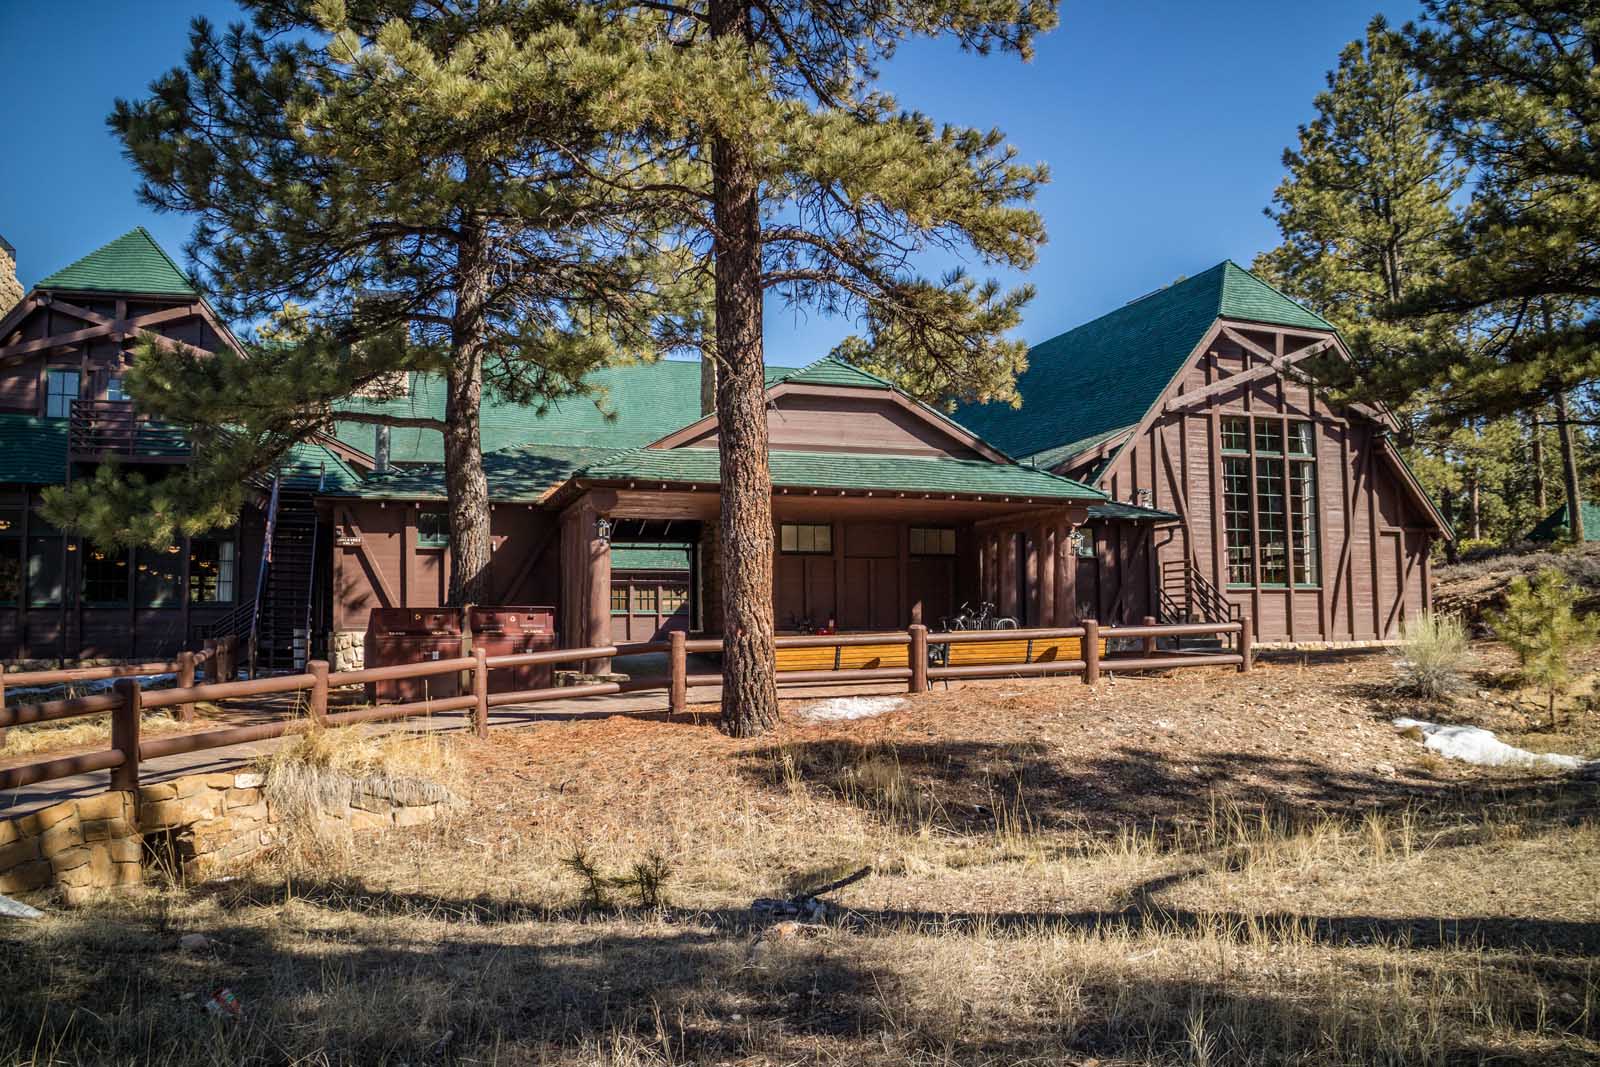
(840, 474)
(1116, 511)
(33, 451)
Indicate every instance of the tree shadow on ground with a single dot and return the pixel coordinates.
(362, 980)
(979, 788)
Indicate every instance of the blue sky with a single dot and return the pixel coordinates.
(1163, 123)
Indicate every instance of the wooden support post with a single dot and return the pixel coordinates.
(125, 734)
(1149, 642)
(919, 658)
(678, 669)
(3, 705)
(480, 689)
(231, 646)
(185, 681)
(1091, 652)
(318, 669)
(1245, 651)
(209, 647)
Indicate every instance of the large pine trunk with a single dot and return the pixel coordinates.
(466, 486)
(749, 685)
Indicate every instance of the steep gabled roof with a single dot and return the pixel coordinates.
(1104, 375)
(133, 263)
(1556, 523)
(830, 370)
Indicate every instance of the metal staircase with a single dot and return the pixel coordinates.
(283, 624)
(1186, 595)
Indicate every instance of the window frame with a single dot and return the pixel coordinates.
(1272, 450)
(433, 539)
(943, 535)
(198, 584)
(117, 561)
(812, 529)
(50, 393)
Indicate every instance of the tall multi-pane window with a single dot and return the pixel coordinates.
(105, 575)
(60, 390)
(211, 570)
(1271, 463)
(157, 579)
(11, 565)
(46, 563)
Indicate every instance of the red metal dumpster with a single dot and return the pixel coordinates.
(508, 630)
(412, 635)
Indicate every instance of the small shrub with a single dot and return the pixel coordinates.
(1434, 651)
(1542, 627)
(646, 879)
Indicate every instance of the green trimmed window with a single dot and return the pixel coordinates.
(115, 389)
(1269, 499)
(805, 538)
(619, 599)
(932, 541)
(645, 599)
(674, 598)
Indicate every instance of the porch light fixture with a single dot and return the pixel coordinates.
(602, 529)
(1144, 497)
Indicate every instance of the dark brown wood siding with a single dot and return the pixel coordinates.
(1372, 537)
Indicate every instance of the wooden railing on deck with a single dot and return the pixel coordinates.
(916, 669)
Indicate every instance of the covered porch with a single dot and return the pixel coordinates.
(863, 544)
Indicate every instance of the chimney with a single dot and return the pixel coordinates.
(11, 291)
(380, 450)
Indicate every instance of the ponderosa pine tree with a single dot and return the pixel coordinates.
(781, 162)
(1516, 93)
(1366, 215)
(388, 166)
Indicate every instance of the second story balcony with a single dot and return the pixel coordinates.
(100, 429)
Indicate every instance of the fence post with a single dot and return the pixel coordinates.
(1091, 652)
(318, 669)
(186, 681)
(480, 689)
(1149, 642)
(1245, 651)
(125, 734)
(209, 647)
(919, 658)
(232, 674)
(678, 669)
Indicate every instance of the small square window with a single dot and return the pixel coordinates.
(1269, 437)
(115, 389)
(619, 599)
(1300, 438)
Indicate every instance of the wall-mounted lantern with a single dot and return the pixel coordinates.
(1144, 498)
(602, 529)
(1082, 546)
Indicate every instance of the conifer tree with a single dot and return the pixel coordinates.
(385, 182)
(780, 161)
(1366, 216)
(1516, 93)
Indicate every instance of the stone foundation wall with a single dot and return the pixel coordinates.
(193, 828)
(348, 650)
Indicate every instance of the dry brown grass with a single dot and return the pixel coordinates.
(1057, 880)
(89, 732)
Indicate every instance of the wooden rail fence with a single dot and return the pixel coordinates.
(130, 700)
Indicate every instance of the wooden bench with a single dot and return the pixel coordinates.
(961, 654)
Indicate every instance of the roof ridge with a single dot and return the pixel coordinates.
(1279, 293)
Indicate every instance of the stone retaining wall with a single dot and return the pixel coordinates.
(349, 650)
(192, 828)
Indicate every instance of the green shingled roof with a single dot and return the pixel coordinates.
(649, 557)
(133, 263)
(1556, 523)
(830, 371)
(847, 470)
(516, 475)
(1103, 376)
(636, 404)
(33, 451)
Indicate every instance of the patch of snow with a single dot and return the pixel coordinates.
(1470, 744)
(835, 709)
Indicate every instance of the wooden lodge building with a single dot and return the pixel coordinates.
(1174, 462)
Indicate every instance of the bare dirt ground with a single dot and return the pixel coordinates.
(1196, 868)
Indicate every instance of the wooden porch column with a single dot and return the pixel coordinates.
(1047, 574)
(1066, 576)
(598, 614)
(1008, 573)
(1033, 567)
